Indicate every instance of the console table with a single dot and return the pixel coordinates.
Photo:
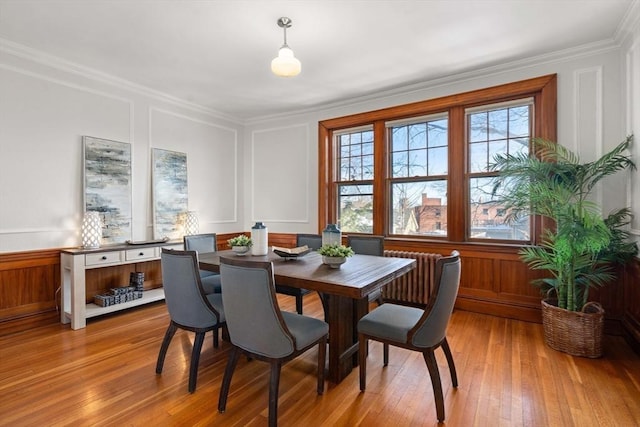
(76, 261)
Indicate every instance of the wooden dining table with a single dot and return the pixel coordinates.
(345, 292)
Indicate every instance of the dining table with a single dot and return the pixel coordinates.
(344, 291)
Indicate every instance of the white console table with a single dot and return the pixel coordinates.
(75, 262)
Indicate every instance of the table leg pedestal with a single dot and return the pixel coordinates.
(343, 335)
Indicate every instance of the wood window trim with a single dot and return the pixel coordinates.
(543, 89)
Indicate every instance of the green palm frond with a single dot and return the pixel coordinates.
(578, 253)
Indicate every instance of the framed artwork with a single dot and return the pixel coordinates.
(107, 186)
(170, 192)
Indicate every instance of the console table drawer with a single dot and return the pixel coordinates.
(140, 254)
(104, 258)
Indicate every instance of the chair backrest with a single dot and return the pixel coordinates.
(183, 293)
(201, 243)
(313, 241)
(253, 317)
(431, 329)
(366, 245)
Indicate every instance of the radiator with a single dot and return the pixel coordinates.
(412, 288)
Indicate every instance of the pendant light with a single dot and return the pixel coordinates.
(285, 64)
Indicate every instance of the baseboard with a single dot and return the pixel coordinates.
(24, 323)
(509, 311)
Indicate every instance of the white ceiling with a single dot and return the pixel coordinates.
(217, 53)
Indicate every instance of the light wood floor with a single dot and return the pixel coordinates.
(105, 375)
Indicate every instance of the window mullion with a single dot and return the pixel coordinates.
(380, 186)
(457, 193)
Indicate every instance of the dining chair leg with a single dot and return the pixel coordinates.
(226, 380)
(432, 365)
(452, 365)
(216, 343)
(299, 303)
(195, 359)
(322, 356)
(362, 360)
(171, 331)
(385, 354)
(274, 384)
(324, 299)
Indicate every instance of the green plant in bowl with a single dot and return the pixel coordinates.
(240, 240)
(335, 255)
(336, 251)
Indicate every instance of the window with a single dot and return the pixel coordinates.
(495, 129)
(355, 182)
(418, 167)
(422, 170)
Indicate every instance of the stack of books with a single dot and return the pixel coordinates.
(122, 294)
(117, 296)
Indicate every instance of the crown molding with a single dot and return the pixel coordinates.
(557, 56)
(626, 27)
(629, 24)
(21, 51)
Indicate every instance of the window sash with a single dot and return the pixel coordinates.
(497, 138)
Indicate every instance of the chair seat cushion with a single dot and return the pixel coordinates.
(211, 283)
(207, 273)
(390, 322)
(305, 329)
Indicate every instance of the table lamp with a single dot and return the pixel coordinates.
(91, 230)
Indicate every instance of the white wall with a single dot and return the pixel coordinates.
(46, 106)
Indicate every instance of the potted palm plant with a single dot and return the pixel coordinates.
(578, 248)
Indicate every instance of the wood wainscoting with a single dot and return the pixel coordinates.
(28, 289)
(494, 281)
(30, 285)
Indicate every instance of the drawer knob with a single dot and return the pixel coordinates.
(104, 257)
(141, 254)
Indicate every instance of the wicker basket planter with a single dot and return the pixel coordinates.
(578, 333)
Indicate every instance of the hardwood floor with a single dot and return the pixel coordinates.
(105, 375)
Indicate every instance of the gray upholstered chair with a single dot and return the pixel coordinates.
(204, 243)
(368, 245)
(416, 329)
(259, 329)
(189, 307)
(313, 241)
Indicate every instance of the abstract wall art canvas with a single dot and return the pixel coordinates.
(107, 186)
(170, 192)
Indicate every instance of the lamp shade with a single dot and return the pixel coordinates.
(190, 223)
(286, 65)
(91, 230)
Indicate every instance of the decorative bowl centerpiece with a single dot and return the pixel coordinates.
(240, 250)
(335, 255)
(293, 253)
(334, 261)
(240, 244)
